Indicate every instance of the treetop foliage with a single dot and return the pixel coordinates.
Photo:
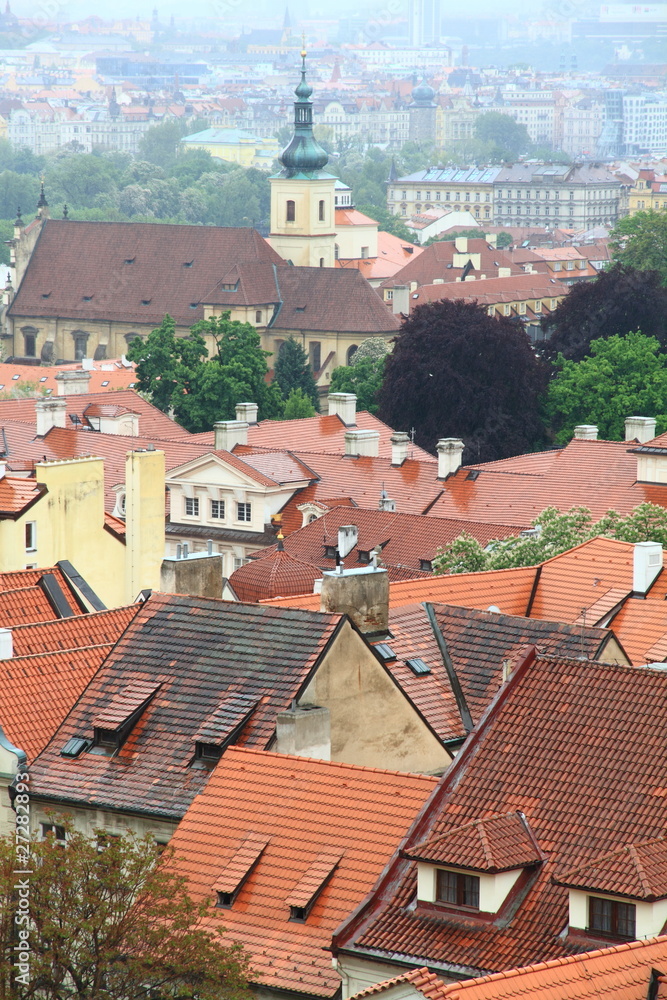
(292, 371)
(640, 241)
(110, 918)
(455, 371)
(554, 532)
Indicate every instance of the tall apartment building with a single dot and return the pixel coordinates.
(578, 196)
(424, 22)
(645, 123)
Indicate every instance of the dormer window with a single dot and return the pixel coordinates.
(457, 888)
(304, 894)
(612, 918)
(209, 753)
(115, 722)
(238, 869)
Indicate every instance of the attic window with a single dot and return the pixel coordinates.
(44, 378)
(15, 377)
(611, 918)
(114, 723)
(426, 566)
(45, 295)
(188, 263)
(87, 298)
(238, 869)
(385, 651)
(457, 888)
(105, 383)
(330, 551)
(146, 302)
(75, 746)
(130, 260)
(193, 305)
(364, 556)
(310, 885)
(418, 667)
(221, 728)
(473, 474)
(300, 309)
(208, 752)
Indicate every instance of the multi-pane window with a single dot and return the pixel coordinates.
(217, 510)
(609, 916)
(192, 506)
(457, 888)
(244, 511)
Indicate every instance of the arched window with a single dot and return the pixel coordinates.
(321, 212)
(291, 211)
(351, 351)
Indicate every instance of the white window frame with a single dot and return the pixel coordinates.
(221, 507)
(31, 536)
(194, 501)
(244, 506)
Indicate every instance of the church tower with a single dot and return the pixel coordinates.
(302, 194)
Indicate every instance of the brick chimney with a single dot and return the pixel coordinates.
(640, 429)
(229, 433)
(359, 442)
(50, 413)
(73, 383)
(343, 405)
(450, 451)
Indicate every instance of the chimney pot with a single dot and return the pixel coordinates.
(344, 406)
(73, 383)
(247, 412)
(646, 564)
(450, 452)
(6, 644)
(229, 433)
(50, 413)
(359, 442)
(641, 429)
(586, 432)
(400, 447)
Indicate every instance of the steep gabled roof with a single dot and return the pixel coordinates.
(96, 629)
(322, 849)
(17, 495)
(198, 651)
(549, 747)
(494, 844)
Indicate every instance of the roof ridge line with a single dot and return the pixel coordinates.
(486, 846)
(52, 652)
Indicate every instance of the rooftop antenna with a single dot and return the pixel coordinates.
(412, 442)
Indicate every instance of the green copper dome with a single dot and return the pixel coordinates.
(303, 154)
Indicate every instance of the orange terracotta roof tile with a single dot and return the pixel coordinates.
(24, 604)
(277, 573)
(638, 871)
(492, 844)
(620, 972)
(310, 814)
(582, 798)
(39, 691)
(241, 864)
(17, 495)
(97, 629)
(113, 376)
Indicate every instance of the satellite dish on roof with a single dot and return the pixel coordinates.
(348, 535)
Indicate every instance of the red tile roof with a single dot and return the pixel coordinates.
(493, 844)
(39, 691)
(123, 265)
(16, 496)
(317, 818)
(277, 573)
(435, 262)
(638, 871)
(23, 605)
(491, 291)
(621, 972)
(548, 747)
(113, 376)
(97, 629)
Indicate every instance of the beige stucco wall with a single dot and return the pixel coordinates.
(372, 722)
(307, 240)
(87, 821)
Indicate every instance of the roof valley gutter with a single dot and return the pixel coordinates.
(464, 711)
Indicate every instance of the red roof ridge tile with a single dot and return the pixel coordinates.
(50, 652)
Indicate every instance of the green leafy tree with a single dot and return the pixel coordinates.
(161, 143)
(364, 376)
(110, 922)
(298, 405)
(504, 240)
(292, 371)
(79, 179)
(622, 375)
(552, 532)
(640, 241)
(507, 138)
(177, 374)
(388, 222)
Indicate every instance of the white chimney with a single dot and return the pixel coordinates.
(586, 432)
(358, 442)
(73, 383)
(229, 433)
(647, 563)
(304, 731)
(400, 302)
(641, 429)
(3, 468)
(491, 239)
(400, 447)
(450, 451)
(50, 413)
(343, 405)
(6, 644)
(504, 272)
(461, 244)
(247, 412)
(386, 503)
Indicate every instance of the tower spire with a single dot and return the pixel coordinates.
(304, 153)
